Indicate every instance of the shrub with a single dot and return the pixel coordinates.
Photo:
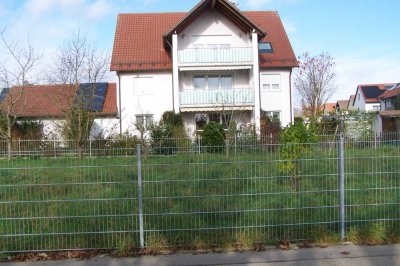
(162, 140)
(168, 134)
(296, 141)
(214, 137)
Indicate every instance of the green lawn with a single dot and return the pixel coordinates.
(192, 200)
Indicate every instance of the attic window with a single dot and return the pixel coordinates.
(265, 48)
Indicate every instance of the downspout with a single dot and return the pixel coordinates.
(291, 100)
(120, 106)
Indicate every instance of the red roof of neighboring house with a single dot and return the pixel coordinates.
(110, 101)
(391, 93)
(139, 43)
(51, 101)
(330, 107)
(342, 104)
(371, 92)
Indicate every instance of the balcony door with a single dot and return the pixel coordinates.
(213, 82)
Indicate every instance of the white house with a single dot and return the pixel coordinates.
(48, 105)
(366, 97)
(212, 60)
(387, 118)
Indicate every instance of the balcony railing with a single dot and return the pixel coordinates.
(215, 56)
(231, 97)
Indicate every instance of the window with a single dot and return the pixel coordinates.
(213, 82)
(388, 104)
(275, 116)
(375, 108)
(199, 82)
(144, 121)
(271, 82)
(265, 48)
(201, 121)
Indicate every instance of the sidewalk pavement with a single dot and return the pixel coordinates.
(336, 255)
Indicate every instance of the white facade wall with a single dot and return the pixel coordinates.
(52, 128)
(361, 105)
(276, 100)
(104, 127)
(144, 93)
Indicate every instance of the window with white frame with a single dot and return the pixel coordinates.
(213, 82)
(274, 116)
(389, 104)
(144, 121)
(271, 82)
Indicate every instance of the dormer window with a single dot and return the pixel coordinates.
(265, 48)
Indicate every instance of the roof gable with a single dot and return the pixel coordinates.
(139, 42)
(225, 7)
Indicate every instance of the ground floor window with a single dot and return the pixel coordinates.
(274, 116)
(144, 121)
(222, 118)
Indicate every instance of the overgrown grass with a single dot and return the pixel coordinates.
(195, 200)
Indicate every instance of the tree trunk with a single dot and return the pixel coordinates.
(9, 149)
(227, 142)
(80, 152)
(9, 140)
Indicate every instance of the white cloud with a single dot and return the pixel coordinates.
(254, 3)
(352, 71)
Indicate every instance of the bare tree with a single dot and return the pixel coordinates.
(16, 69)
(315, 81)
(79, 62)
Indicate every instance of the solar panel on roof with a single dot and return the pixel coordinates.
(93, 95)
(372, 92)
(4, 93)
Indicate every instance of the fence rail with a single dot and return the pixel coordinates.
(138, 196)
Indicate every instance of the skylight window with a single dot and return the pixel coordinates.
(265, 48)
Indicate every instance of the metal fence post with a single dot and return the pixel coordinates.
(19, 147)
(90, 146)
(342, 188)
(139, 166)
(54, 147)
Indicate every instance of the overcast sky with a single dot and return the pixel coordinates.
(362, 35)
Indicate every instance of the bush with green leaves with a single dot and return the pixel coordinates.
(168, 134)
(297, 140)
(214, 137)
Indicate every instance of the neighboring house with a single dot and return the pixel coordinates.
(350, 105)
(387, 120)
(329, 108)
(212, 60)
(341, 105)
(366, 97)
(48, 104)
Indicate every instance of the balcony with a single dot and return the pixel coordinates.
(217, 98)
(215, 56)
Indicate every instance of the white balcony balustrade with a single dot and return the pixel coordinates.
(227, 97)
(215, 56)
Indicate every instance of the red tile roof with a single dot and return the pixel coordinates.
(51, 101)
(371, 95)
(110, 101)
(390, 93)
(139, 44)
(330, 107)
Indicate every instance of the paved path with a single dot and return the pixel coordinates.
(338, 255)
